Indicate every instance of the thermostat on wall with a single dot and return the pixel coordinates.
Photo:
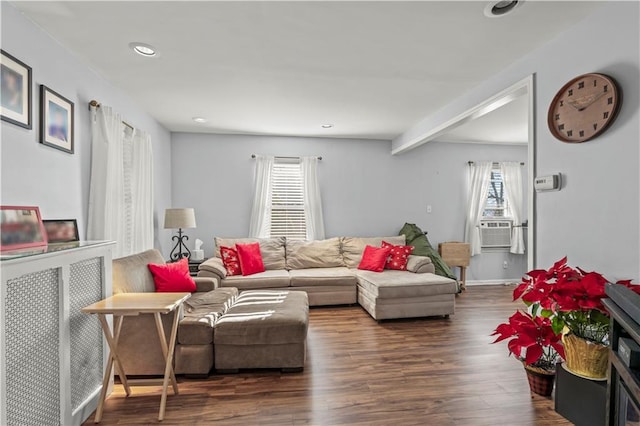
(548, 183)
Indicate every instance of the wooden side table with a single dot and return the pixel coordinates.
(133, 304)
(456, 254)
(194, 265)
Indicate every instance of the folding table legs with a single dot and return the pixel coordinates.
(112, 341)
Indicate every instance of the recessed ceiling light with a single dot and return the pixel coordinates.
(496, 9)
(143, 49)
(327, 126)
(199, 119)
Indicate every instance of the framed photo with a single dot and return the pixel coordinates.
(61, 231)
(15, 80)
(21, 227)
(56, 120)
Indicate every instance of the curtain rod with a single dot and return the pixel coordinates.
(494, 163)
(96, 104)
(288, 158)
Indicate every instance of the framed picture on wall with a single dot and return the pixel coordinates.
(61, 231)
(15, 80)
(21, 227)
(56, 120)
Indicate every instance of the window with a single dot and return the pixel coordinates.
(496, 204)
(287, 200)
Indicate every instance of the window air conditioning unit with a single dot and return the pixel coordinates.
(495, 233)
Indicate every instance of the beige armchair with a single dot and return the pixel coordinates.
(139, 344)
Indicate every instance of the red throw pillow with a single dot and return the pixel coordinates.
(398, 257)
(230, 260)
(250, 258)
(172, 277)
(374, 258)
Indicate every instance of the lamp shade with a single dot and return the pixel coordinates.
(179, 218)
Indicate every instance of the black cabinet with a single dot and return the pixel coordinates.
(582, 401)
(623, 385)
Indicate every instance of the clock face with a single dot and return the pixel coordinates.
(583, 108)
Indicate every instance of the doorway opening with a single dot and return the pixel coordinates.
(519, 99)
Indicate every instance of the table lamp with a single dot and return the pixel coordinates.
(179, 218)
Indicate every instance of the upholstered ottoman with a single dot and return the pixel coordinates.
(263, 329)
(397, 294)
(194, 351)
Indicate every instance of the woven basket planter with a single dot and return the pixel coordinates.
(540, 381)
(585, 358)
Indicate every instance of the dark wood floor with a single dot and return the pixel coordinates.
(359, 372)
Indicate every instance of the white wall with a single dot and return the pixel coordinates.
(595, 218)
(57, 182)
(365, 190)
(214, 175)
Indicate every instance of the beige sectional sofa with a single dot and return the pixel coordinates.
(327, 271)
(273, 305)
(271, 334)
(314, 267)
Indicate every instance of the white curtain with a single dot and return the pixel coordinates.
(479, 178)
(312, 199)
(120, 194)
(512, 181)
(260, 224)
(106, 193)
(141, 192)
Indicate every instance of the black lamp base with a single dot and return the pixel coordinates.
(180, 250)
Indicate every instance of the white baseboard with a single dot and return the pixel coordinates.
(471, 283)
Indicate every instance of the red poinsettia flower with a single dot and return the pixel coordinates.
(535, 290)
(557, 299)
(560, 269)
(524, 287)
(539, 292)
(564, 296)
(593, 284)
(585, 293)
(529, 334)
(570, 297)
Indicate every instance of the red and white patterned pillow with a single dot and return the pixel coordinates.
(230, 260)
(398, 257)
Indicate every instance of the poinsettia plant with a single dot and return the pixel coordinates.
(569, 297)
(559, 299)
(532, 340)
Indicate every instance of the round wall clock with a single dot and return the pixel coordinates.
(584, 108)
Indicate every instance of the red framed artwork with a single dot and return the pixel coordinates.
(21, 227)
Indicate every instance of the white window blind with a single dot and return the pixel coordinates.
(496, 204)
(287, 200)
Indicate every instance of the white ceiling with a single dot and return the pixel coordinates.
(372, 69)
(507, 125)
